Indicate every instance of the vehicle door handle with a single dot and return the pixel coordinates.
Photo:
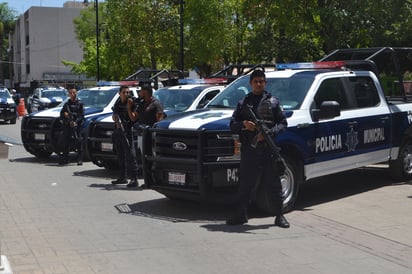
(303, 125)
(384, 119)
(353, 123)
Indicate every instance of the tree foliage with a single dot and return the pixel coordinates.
(145, 33)
(7, 16)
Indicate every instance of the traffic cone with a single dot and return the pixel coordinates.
(21, 109)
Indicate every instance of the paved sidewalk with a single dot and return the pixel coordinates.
(72, 220)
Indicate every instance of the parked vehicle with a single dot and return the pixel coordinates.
(338, 119)
(46, 97)
(175, 99)
(41, 131)
(188, 97)
(7, 106)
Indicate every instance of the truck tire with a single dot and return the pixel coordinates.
(401, 168)
(290, 184)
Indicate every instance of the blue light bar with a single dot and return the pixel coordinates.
(210, 81)
(311, 65)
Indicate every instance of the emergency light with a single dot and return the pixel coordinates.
(210, 81)
(118, 83)
(312, 65)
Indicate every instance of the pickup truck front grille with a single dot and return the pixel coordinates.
(199, 145)
(32, 126)
(100, 133)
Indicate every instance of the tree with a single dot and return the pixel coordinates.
(85, 28)
(7, 17)
(145, 33)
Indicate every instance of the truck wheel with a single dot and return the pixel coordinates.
(401, 168)
(290, 186)
(13, 121)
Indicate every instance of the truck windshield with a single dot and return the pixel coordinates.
(177, 99)
(96, 98)
(291, 91)
(4, 94)
(53, 93)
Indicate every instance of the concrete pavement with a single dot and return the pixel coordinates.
(72, 220)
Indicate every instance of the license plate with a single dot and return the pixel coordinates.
(177, 178)
(39, 136)
(107, 147)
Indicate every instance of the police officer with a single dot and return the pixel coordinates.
(72, 115)
(149, 110)
(124, 116)
(257, 160)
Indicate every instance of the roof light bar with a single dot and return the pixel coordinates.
(311, 65)
(117, 83)
(210, 81)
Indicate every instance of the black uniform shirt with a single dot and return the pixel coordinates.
(75, 110)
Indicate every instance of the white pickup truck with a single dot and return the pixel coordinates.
(175, 100)
(338, 119)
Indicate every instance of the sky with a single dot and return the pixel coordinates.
(20, 6)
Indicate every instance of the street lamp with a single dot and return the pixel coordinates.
(96, 8)
(181, 37)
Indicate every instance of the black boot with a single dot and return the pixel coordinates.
(281, 221)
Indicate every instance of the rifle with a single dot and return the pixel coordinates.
(69, 120)
(119, 123)
(265, 130)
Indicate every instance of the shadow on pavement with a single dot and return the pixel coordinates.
(175, 210)
(322, 190)
(179, 211)
(109, 186)
(337, 186)
(97, 173)
(52, 160)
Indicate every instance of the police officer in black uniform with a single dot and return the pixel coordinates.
(257, 159)
(72, 115)
(149, 110)
(124, 116)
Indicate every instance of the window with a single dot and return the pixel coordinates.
(331, 90)
(364, 91)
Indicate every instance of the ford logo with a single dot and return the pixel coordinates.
(179, 146)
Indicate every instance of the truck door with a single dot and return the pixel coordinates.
(373, 121)
(359, 136)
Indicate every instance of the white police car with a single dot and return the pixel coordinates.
(189, 95)
(7, 106)
(46, 97)
(41, 131)
(338, 119)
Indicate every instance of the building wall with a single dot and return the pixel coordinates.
(43, 37)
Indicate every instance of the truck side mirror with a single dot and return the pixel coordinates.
(327, 110)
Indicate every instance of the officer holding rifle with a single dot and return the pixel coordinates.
(258, 159)
(72, 115)
(124, 116)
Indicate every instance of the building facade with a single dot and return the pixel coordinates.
(43, 37)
